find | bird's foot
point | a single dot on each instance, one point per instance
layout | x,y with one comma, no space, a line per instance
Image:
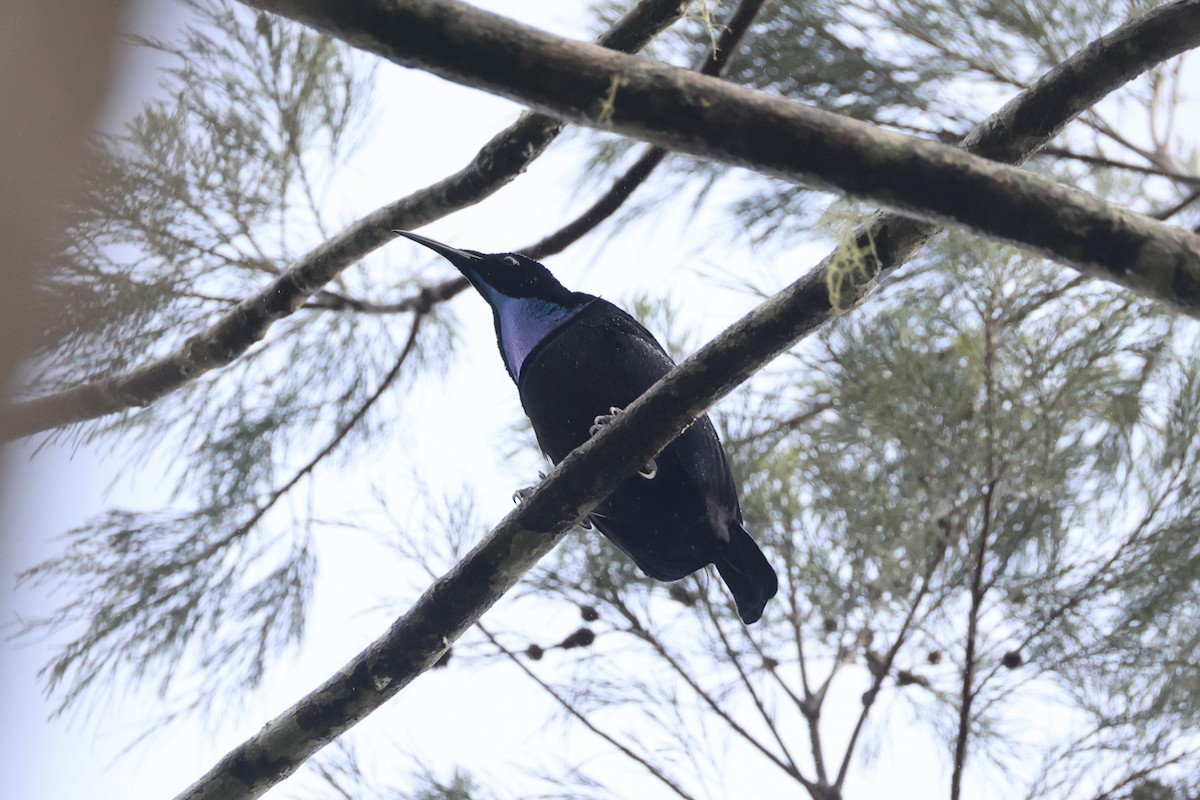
520,494
650,469
600,422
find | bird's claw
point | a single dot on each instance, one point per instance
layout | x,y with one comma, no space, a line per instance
604,419
519,495
651,468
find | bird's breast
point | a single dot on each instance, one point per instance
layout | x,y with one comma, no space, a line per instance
589,365
522,323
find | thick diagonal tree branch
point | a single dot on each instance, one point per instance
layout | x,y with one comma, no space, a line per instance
504,157
680,110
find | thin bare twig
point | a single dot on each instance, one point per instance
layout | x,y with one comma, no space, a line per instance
639,630
1115,163
1172,210
733,658
978,587
885,666
587,723
809,709
810,706
342,432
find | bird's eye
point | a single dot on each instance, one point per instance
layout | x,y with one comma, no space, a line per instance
512,260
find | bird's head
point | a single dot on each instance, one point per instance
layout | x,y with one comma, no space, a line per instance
497,276
528,303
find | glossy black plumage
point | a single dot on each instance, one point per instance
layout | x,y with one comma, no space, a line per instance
573,357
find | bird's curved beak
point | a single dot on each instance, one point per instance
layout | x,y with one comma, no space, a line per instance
459,258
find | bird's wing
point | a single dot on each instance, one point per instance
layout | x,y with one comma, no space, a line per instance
705,445
629,325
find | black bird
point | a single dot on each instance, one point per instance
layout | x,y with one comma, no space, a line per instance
577,360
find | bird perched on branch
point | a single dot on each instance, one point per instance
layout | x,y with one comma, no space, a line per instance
578,361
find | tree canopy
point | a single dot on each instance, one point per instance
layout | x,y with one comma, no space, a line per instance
969,437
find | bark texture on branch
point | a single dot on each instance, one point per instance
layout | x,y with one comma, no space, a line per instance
504,157
682,111
453,602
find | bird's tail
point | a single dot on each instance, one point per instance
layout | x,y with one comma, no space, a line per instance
747,573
